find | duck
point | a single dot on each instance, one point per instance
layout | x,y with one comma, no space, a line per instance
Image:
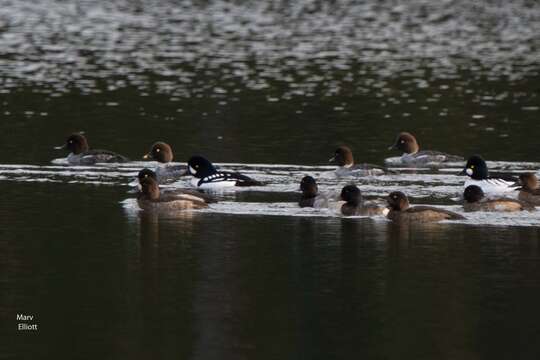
476,201
354,204
413,156
310,194
81,154
206,176
165,171
477,171
401,211
150,197
148,173
343,158
530,189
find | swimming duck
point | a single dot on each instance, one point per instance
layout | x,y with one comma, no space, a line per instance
477,171
475,201
354,204
530,189
400,210
310,194
150,198
81,154
165,171
413,156
147,173
205,175
344,159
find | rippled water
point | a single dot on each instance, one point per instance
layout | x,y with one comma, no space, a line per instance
268,88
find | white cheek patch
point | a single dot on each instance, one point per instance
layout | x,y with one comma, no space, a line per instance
469,171
192,170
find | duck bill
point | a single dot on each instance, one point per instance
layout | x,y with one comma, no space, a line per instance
393,147
332,159
62,147
146,157
463,172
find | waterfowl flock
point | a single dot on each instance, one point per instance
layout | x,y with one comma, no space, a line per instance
482,191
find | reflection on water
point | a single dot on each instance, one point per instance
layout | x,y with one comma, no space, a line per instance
229,79
252,84
213,285
313,47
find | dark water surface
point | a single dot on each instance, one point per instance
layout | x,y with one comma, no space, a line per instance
251,85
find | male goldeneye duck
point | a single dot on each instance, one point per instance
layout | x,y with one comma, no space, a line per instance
354,204
412,155
150,198
343,157
82,155
400,210
205,175
530,189
475,201
165,171
477,171
310,194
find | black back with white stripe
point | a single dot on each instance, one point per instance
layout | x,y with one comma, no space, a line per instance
476,168
201,168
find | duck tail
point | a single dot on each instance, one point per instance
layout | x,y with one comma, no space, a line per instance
244,180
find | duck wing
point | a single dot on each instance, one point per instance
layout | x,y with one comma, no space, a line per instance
103,156
432,155
420,208
195,199
508,177
372,169
177,194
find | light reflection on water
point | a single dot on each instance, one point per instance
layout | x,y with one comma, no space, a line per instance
185,50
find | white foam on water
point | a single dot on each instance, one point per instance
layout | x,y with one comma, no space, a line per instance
441,186
289,209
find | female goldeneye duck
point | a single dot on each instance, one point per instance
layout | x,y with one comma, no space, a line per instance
150,198
160,152
400,210
477,171
147,173
343,157
310,194
412,155
205,175
165,171
530,189
81,154
354,204
475,201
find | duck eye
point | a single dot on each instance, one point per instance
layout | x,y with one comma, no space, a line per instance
402,141
196,166
157,150
71,141
472,166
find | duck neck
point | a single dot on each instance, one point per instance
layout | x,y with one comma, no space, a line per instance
151,191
